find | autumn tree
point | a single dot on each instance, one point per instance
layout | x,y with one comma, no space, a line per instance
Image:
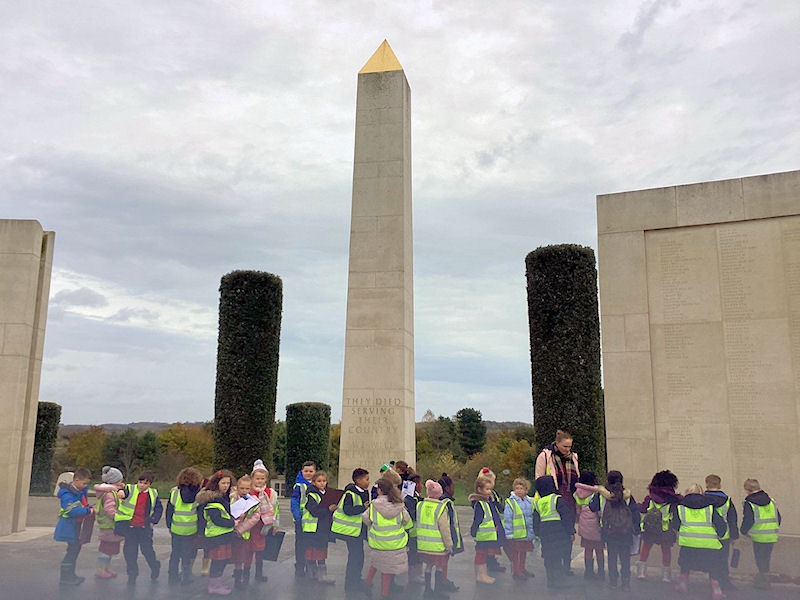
86,449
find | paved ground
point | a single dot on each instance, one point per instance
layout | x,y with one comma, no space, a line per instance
29,570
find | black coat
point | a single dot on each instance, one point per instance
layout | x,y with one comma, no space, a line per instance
320,537
701,559
553,531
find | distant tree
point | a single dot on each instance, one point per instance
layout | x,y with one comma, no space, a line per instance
525,432
424,448
131,452
442,433
86,449
279,451
471,430
250,308
428,417
565,349
48,416
195,443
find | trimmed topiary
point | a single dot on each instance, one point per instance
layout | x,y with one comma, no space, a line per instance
250,307
308,430
565,349
48,416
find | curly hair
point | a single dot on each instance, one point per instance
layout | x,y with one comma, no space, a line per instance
665,479
189,476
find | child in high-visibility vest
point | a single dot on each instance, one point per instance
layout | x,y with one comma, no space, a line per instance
138,511
387,522
727,509
434,541
448,491
554,525
761,520
181,517
74,507
487,528
106,508
217,526
298,506
268,510
589,525
661,497
317,519
518,526
241,548
348,526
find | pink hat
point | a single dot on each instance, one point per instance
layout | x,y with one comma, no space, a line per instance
434,489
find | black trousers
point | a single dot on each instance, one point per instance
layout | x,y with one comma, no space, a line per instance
355,560
299,548
183,553
763,554
138,538
217,568
619,551
71,557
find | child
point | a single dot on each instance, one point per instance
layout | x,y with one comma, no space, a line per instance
214,518
554,525
347,525
410,501
106,508
268,510
434,541
727,510
448,489
317,528
248,521
620,518
660,499
298,504
138,510
387,521
764,533
487,528
182,524
699,528
491,561
74,507
518,526
589,525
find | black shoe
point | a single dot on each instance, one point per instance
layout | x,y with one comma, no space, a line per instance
131,580
68,576
495,567
259,576
446,585
173,579
155,571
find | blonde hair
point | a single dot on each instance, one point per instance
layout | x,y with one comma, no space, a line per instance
318,474
523,482
693,489
392,476
752,485
713,481
562,435
482,482
243,478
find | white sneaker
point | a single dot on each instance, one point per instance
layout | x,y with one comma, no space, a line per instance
666,574
641,570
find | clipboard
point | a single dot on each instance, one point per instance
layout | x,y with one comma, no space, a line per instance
331,497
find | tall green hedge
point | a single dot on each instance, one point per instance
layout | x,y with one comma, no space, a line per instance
308,431
48,416
565,349
247,369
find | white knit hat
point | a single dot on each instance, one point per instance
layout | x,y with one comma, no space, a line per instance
111,475
259,466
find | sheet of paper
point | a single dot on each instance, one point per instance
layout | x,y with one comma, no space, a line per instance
408,488
242,505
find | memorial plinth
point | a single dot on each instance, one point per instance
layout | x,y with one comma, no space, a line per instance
700,319
378,388
26,258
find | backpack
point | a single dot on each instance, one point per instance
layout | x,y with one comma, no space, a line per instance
651,522
617,519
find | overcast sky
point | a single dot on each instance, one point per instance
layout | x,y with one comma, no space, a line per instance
168,143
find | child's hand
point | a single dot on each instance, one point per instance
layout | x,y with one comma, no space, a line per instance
121,494
332,507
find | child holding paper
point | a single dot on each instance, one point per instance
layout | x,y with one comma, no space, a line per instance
244,510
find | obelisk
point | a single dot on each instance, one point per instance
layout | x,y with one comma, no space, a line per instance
378,396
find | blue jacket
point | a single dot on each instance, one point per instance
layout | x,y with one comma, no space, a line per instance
527,511
295,503
70,499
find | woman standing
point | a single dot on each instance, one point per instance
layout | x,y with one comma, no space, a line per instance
561,463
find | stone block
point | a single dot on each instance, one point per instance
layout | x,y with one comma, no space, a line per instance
773,195
612,328
21,237
637,333
628,392
711,202
623,275
16,339
636,211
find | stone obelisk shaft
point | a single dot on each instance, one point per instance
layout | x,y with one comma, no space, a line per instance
378,398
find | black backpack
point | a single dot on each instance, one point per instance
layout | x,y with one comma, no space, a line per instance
651,522
617,519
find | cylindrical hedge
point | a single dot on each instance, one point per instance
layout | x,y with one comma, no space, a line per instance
250,307
308,430
48,416
565,349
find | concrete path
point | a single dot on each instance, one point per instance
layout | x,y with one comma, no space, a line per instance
29,564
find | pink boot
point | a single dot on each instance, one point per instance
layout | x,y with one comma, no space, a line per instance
217,587
716,591
104,574
682,587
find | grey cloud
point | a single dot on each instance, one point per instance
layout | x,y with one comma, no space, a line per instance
80,297
125,315
632,39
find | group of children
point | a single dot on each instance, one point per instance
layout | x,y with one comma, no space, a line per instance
198,516
413,534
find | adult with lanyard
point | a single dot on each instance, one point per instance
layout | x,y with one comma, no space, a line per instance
559,462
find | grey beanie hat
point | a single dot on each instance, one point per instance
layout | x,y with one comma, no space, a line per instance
111,475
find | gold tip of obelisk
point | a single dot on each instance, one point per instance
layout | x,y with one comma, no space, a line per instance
383,60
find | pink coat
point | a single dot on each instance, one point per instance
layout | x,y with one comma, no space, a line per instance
109,508
588,521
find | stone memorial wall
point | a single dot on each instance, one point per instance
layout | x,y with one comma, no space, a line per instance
700,318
